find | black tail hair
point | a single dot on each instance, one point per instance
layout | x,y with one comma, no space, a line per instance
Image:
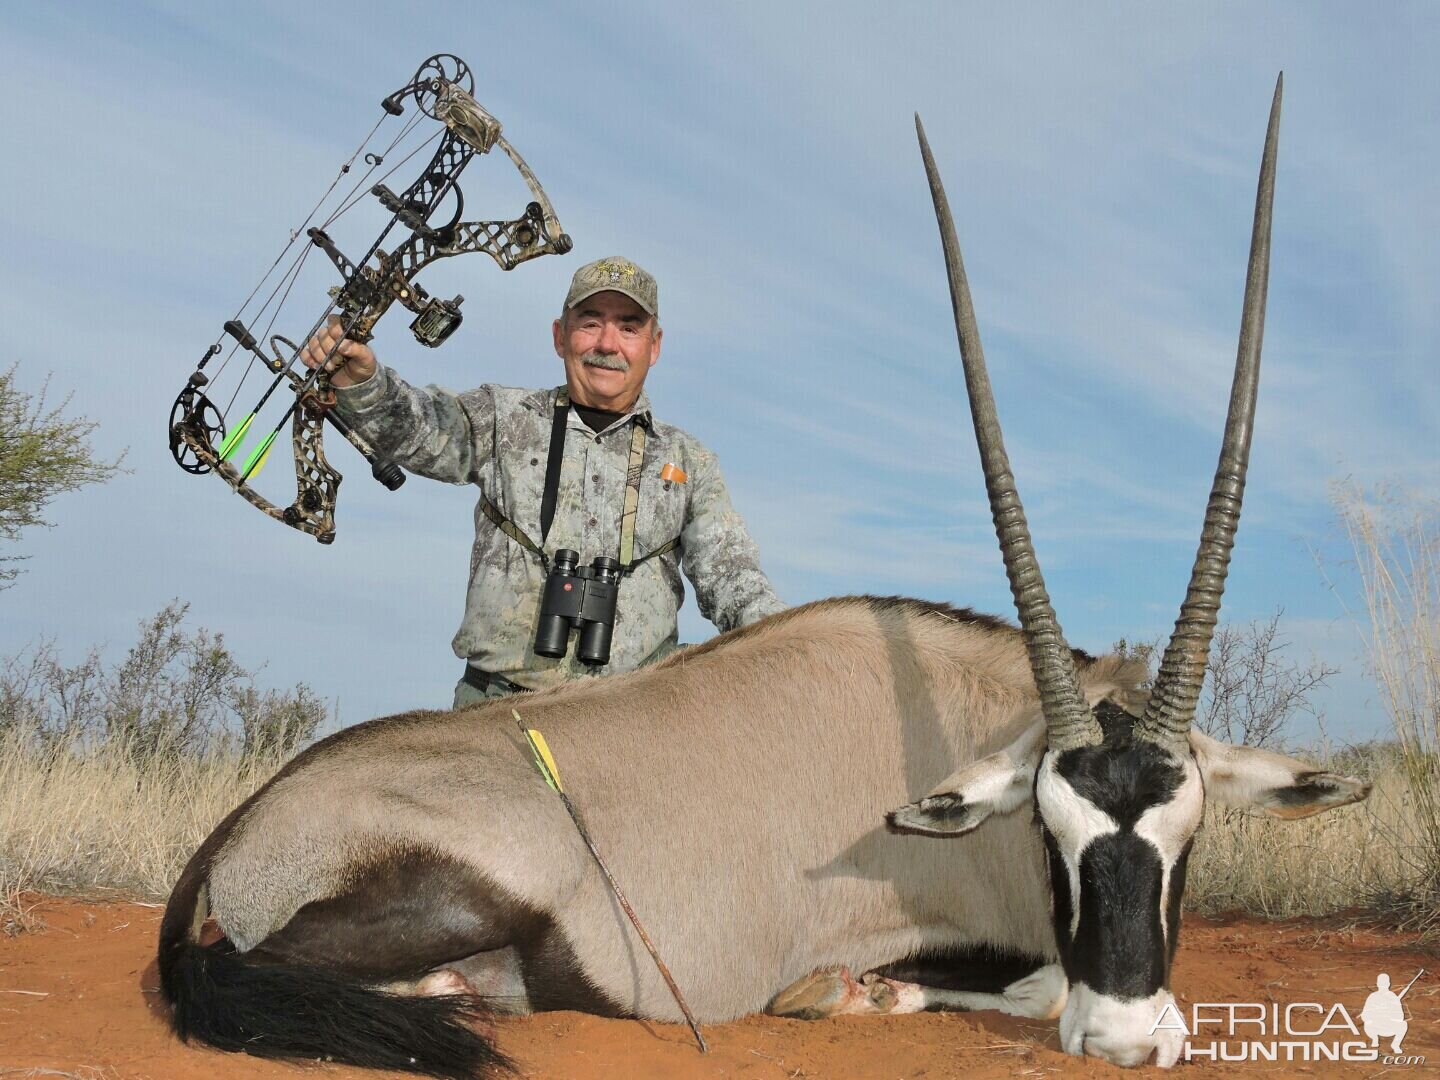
276,1009
282,1009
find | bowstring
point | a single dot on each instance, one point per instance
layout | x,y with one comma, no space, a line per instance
353,199
292,273
324,367
345,168
356,197
439,195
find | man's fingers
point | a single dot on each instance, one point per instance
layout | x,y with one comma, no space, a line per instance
314,352
330,348
328,342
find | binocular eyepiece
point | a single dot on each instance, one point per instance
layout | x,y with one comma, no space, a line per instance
578,598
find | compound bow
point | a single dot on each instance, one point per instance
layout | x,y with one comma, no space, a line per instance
199,440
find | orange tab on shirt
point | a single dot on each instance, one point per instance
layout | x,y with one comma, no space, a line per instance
673,472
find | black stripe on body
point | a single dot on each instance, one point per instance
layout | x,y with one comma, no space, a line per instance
980,969
408,911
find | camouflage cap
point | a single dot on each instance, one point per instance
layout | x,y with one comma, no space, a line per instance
614,273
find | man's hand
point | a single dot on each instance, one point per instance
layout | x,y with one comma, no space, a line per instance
352,363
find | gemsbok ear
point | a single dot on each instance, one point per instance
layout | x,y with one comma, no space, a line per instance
1243,776
997,784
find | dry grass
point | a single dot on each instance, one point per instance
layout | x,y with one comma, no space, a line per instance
111,775
1343,859
1384,855
17,911
1396,541
91,819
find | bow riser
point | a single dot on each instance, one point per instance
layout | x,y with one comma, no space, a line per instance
369,292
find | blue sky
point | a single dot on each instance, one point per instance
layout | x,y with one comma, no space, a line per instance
760,159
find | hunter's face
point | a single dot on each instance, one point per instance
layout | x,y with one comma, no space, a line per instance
608,343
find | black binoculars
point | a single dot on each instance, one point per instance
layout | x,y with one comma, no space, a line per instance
578,598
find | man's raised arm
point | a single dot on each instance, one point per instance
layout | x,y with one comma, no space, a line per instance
429,432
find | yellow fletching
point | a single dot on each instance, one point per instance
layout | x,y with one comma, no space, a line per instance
544,761
258,457
538,741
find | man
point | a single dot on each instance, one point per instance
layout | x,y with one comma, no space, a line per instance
500,439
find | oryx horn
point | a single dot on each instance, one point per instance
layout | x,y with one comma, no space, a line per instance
1171,708
1068,720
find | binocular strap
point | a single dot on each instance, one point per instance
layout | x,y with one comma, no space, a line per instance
628,562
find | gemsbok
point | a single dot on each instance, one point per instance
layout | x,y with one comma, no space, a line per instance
769,800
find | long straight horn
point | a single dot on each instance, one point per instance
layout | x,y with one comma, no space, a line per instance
1068,719
1172,702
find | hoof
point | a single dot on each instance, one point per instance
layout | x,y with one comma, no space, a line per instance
880,993
819,995
1040,995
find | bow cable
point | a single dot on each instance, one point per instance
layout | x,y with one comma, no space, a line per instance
349,200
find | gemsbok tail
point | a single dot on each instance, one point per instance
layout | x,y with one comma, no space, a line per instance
240,1002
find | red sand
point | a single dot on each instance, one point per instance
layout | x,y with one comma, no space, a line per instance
78,999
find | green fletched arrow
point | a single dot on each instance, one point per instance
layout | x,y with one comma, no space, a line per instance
231,443
256,461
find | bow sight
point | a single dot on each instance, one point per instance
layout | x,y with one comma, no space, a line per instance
199,438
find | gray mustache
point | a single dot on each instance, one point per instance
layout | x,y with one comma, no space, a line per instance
606,361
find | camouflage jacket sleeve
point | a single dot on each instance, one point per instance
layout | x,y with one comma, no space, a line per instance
718,555
430,432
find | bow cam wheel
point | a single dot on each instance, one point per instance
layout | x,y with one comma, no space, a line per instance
194,415
427,80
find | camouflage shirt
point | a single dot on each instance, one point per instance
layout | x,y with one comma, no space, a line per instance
499,438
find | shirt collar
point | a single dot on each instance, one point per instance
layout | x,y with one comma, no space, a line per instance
640,411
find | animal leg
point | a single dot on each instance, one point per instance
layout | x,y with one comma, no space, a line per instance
1038,996
495,975
835,992
436,984
424,925
968,978
824,992
317,987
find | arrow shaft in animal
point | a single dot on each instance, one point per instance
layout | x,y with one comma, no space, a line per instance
635,921
553,777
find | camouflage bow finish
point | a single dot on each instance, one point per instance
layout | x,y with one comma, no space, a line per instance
199,441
